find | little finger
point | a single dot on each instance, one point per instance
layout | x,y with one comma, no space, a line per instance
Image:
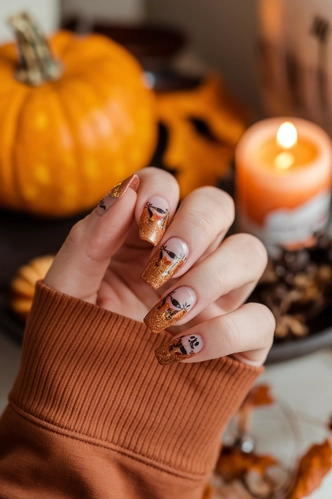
246,334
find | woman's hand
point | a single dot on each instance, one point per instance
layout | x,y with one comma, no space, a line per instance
195,281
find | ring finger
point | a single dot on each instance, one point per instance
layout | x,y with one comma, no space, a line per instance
224,279
204,217
246,334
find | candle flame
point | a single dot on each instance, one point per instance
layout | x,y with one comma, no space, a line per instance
287,135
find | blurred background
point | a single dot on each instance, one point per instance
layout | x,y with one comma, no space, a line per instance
211,68
221,34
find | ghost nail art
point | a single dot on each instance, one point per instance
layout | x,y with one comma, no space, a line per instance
153,221
165,262
170,309
179,349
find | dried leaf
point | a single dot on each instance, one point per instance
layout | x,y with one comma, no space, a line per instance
233,463
313,466
208,492
234,490
259,395
291,324
260,486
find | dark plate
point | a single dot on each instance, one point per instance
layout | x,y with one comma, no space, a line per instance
23,238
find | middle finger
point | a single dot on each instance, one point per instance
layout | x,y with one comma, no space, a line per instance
226,277
204,217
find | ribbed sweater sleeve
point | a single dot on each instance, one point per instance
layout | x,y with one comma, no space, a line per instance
92,415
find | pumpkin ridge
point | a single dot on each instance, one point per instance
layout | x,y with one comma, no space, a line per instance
83,83
78,152
15,166
7,180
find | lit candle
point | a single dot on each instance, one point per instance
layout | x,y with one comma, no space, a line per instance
283,182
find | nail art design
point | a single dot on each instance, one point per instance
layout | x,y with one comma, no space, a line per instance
179,349
116,193
153,221
165,262
170,309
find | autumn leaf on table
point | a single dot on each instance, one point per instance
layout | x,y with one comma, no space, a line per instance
233,463
233,490
313,466
208,492
258,396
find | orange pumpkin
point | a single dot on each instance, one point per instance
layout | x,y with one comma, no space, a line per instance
73,124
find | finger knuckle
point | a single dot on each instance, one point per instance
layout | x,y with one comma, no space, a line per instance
225,203
201,222
235,333
254,248
267,323
76,232
165,178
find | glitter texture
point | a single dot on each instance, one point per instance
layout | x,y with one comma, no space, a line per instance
166,356
165,263
170,309
153,221
179,349
158,319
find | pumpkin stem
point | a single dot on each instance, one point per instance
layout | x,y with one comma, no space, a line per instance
36,63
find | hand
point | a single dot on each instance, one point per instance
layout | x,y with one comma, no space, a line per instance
198,279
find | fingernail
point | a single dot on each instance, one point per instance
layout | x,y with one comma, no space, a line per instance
170,309
116,193
179,349
153,221
165,262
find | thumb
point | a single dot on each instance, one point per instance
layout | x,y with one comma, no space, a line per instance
82,261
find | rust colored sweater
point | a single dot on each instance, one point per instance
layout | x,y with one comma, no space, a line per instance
92,415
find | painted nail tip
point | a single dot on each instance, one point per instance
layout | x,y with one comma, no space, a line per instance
133,182
154,330
116,193
162,361
179,349
148,239
150,282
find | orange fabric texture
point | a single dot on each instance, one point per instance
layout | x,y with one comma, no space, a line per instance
92,415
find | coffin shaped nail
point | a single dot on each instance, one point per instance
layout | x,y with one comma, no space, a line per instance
153,221
179,349
170,309
165,262
116,193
